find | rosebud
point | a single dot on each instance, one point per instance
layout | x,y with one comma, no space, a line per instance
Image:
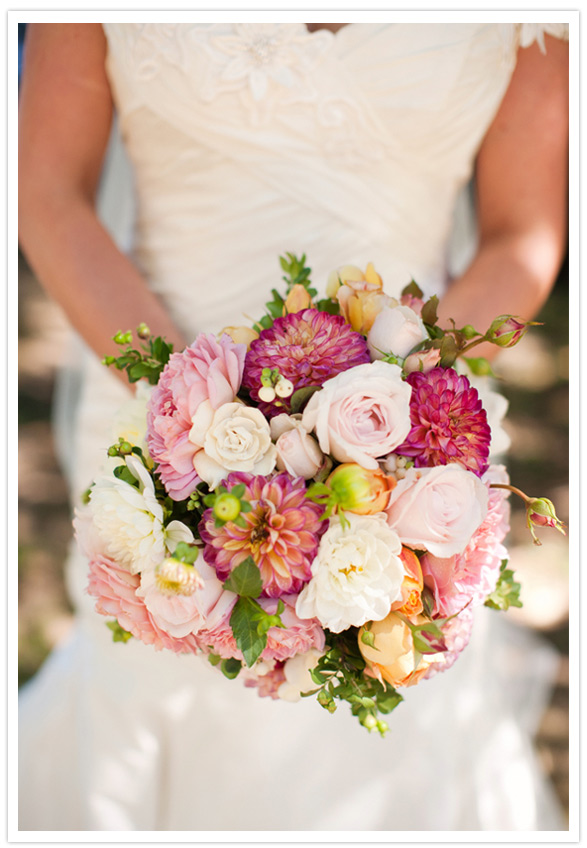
392,658
298,299
540,512
240,335
422,360
360,490
507,330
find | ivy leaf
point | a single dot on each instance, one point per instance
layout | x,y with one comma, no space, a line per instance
507,592
244,622
119,634
230,668
245,580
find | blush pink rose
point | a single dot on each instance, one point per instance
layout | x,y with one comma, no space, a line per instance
471,576
361,414
395,330
116,591
297,452
438,509
206,370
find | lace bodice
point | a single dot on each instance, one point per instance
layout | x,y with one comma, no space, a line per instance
251,139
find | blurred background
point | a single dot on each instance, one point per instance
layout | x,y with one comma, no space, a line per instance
535,381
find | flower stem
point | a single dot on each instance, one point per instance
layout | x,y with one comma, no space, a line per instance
513,489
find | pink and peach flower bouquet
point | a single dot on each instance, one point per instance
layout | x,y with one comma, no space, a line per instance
309,502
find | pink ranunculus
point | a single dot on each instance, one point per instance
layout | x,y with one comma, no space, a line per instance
206,370
181,614
361,414
395,330
116,591
438,509
457,633
470,576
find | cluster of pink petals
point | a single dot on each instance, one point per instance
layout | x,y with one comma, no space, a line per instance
449,423
457,633
267,685
206,370
296,637
282,533
472,575
116,591
308,348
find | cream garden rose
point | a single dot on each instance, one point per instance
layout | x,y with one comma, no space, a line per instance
395,330
297,451
356,575
361,414
234,437
438,509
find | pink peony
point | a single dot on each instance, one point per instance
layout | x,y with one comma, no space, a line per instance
449,423
472,575
308,348
206,370
282,533
116,591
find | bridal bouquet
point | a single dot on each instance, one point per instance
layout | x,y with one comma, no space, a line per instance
309,501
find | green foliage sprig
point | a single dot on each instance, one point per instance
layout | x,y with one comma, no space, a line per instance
507,592
146,363
339,677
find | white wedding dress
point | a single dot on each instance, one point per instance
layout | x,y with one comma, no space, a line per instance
248,140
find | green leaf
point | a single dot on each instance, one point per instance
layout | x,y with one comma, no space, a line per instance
448,352
230,668
301,397
141,369
119,634
430,311
414,289
186,552
244,622
214,659
479,366
332,307
245,580
507,592
122,472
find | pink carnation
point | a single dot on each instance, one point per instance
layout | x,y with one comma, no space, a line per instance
267,685
206,370
116,591
472,575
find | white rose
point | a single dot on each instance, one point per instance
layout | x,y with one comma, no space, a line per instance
438,509
356,576
297,675
396,330
297,452
129,520
361,414
235,437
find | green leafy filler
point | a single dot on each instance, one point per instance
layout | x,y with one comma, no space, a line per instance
249,621
507,592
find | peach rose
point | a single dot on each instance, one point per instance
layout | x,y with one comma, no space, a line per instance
410,603
297,299
359,489
360,295
392,657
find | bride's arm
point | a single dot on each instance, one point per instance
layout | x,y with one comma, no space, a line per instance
521,181
65,116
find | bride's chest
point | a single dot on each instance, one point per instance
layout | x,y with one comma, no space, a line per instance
364,91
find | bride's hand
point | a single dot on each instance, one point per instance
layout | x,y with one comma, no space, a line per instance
64,125
521,184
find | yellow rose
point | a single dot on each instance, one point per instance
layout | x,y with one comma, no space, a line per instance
392,658
360,295
298,299
240,335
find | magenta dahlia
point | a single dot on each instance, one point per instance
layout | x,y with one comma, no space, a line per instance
449,423
308,348
282,533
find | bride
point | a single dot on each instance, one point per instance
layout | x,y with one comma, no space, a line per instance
350,143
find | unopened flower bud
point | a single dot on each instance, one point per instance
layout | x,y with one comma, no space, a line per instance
227,507
124,448
123,338
469,332
113,450
143,332
359,489
540,512
507,330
